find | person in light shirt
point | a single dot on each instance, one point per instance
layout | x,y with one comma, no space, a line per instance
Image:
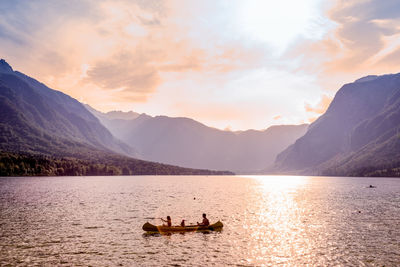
168,221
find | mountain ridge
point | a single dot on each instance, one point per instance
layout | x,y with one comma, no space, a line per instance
353,135
189,143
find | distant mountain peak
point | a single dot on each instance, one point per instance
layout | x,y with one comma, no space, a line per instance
117,114
4,66
114,115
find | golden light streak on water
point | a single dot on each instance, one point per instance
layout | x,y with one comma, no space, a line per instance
278,222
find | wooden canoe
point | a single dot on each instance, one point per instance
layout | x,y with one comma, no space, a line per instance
148,227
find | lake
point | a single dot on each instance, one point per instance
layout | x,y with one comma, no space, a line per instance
268,220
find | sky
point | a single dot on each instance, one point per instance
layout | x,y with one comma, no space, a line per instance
230,64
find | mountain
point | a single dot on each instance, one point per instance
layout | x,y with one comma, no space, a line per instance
186,142
42,127
31,109
358,135
113,115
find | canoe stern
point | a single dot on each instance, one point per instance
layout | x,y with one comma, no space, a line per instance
148,227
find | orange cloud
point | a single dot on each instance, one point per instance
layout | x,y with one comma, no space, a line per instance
312,119
320,107
127,71
359,37
362,39
127,45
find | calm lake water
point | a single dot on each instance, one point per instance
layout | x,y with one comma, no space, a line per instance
268,220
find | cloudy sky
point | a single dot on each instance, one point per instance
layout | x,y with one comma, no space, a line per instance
235,64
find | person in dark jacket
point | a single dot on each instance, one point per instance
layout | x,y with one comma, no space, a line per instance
205,221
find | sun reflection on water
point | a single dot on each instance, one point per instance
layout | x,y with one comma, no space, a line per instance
271,183
273,219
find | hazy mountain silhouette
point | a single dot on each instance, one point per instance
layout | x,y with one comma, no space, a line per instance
357,135
186,142
113,115
46,132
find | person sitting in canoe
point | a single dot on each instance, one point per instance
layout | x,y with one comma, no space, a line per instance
168,221
183,223
205,221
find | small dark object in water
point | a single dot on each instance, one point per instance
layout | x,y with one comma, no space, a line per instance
194,198
371,186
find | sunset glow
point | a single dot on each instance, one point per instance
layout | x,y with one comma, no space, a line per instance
276,24
228,64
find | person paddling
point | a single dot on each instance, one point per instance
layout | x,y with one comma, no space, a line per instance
205,221
168,221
